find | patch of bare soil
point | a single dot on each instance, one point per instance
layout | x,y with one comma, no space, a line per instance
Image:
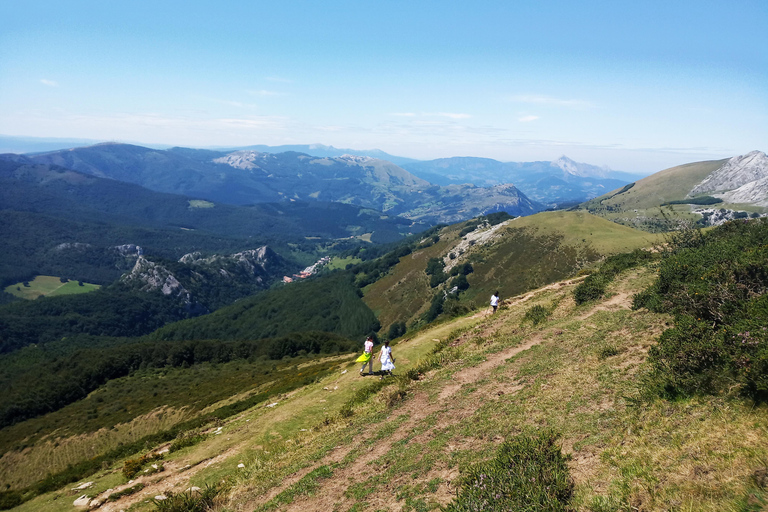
174,478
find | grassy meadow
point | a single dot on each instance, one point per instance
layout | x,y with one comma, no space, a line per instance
49,286
461,388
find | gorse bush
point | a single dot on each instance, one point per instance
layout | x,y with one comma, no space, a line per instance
715,286
529,473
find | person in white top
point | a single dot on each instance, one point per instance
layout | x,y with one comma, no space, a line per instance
495,301
367,357
387,361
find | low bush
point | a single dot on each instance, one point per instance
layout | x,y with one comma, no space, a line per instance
528,473
594,286
536,315
189,501
715,286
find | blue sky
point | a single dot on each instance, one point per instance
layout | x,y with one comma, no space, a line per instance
637,86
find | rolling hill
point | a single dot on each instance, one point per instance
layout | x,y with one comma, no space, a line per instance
708,192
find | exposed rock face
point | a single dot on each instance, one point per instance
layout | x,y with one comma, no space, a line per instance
580,169
253,261
247,160
153,276
742,177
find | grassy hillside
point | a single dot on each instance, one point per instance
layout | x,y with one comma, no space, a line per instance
639,205
464,387
521,255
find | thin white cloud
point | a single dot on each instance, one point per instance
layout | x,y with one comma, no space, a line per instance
527,119
230,103
454,115
49,83
264,92
538,99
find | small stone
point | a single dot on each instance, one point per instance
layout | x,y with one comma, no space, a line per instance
241,465
161,497
83,502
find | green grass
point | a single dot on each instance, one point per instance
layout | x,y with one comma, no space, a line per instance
49,286
583,380
200,203
341,263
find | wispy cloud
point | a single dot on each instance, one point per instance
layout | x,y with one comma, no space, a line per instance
537,99
229,103
454,115
264,92
527,119
49,83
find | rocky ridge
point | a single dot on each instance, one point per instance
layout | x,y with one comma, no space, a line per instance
742,179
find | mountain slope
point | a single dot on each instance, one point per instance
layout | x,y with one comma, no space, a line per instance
406,443
739,184
247,177
512,257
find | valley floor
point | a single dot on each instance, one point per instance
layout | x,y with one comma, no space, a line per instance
405,446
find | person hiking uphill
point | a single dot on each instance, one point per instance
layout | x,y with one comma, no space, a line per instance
495,301
367,357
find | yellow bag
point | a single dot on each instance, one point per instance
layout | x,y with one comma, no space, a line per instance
364,358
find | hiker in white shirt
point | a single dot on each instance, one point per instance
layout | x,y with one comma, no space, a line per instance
495,301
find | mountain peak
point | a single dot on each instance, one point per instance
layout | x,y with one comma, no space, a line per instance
579,169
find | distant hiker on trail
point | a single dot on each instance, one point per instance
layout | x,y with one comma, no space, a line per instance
367,357
387,361
495,301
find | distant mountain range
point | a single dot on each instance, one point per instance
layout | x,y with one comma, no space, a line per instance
320,150
247,177
562,181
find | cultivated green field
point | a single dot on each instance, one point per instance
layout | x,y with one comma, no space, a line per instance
49,286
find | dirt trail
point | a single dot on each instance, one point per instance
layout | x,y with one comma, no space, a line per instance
417,408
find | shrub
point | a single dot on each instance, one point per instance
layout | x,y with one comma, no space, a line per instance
591,288
190,501
715,286
536,315
184,439
529,473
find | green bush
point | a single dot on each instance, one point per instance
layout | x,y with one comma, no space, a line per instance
529,473
591,288
594,286
715,286
190,501
536,315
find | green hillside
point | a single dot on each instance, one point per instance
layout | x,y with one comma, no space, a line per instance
639,204
526,253
559,392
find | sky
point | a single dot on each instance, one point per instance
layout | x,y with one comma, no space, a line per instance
638,86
